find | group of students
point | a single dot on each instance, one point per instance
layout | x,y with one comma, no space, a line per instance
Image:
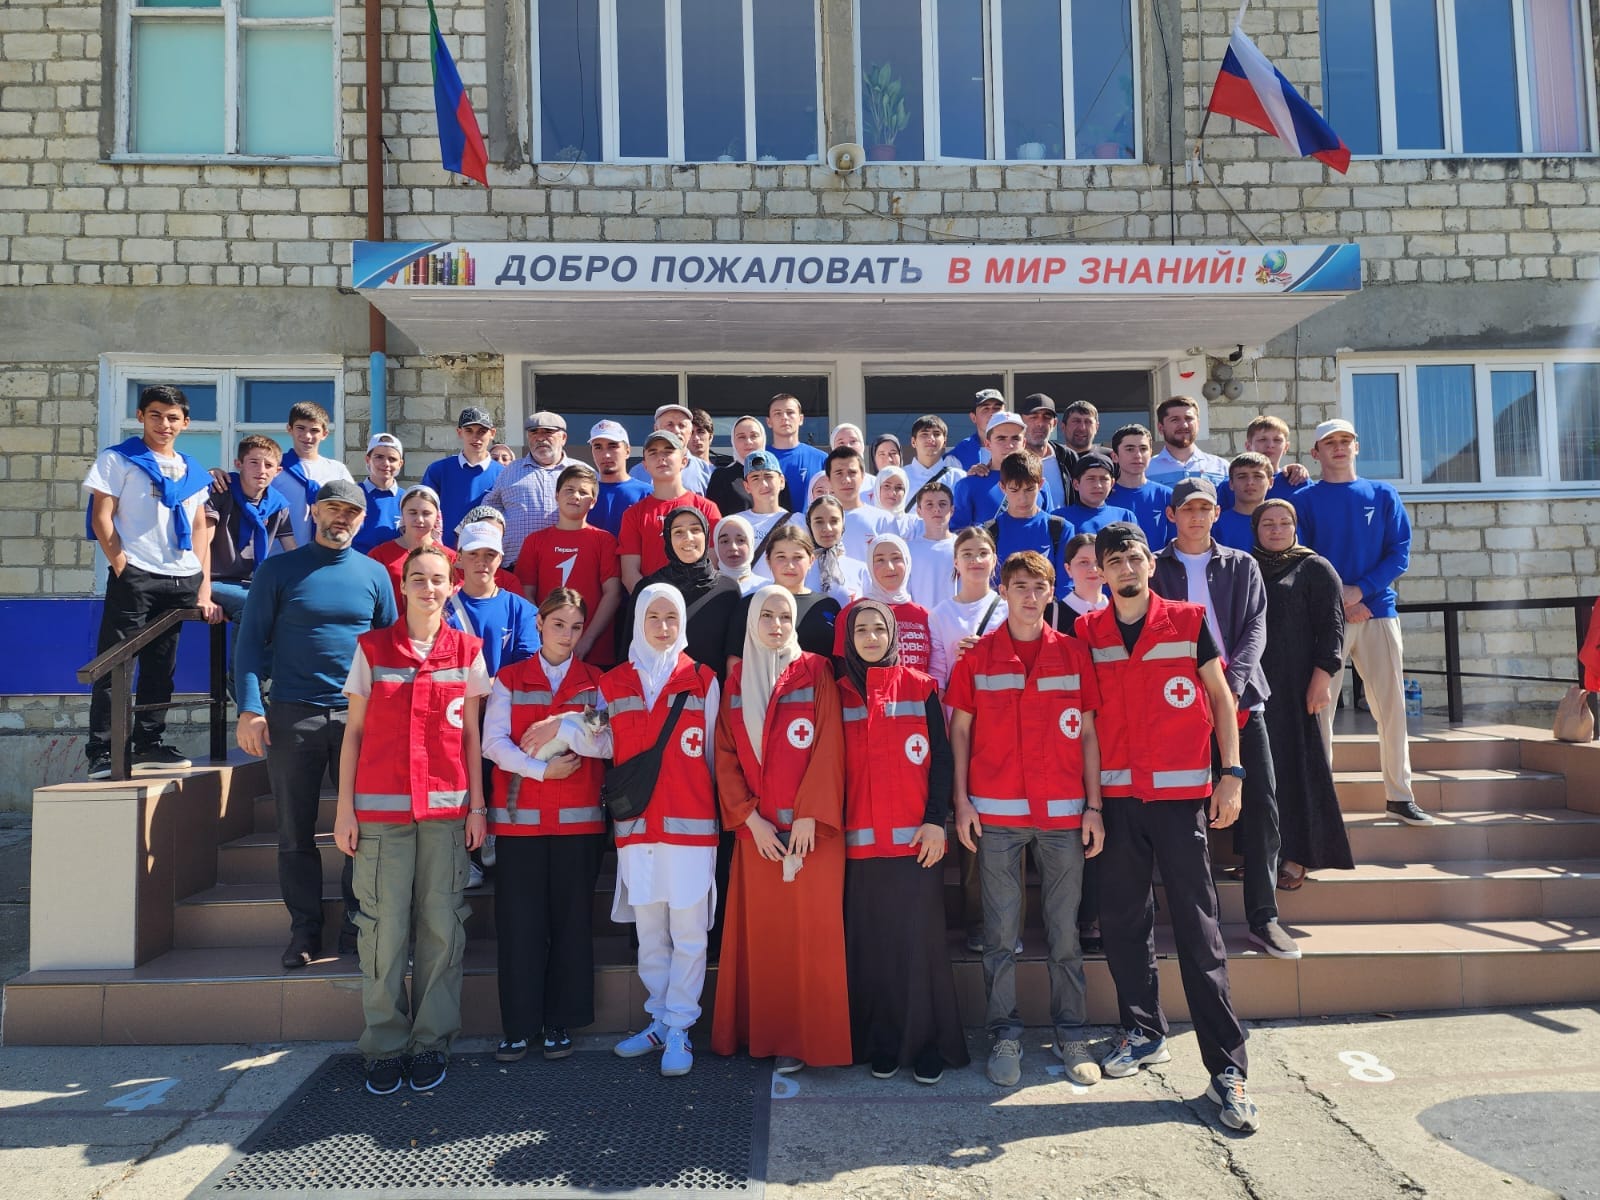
823,688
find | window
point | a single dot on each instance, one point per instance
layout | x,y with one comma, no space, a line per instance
226,402
251,79
1427,77
894,402
676,80
1051,80
1494,424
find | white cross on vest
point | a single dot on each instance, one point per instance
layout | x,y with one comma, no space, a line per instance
1179,692
692,742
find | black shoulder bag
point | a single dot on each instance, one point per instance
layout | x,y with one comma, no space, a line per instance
627,786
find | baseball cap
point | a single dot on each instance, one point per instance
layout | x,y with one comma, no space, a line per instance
608,431
664,435
544,419
681,408
1118,536
474,416
384,439
344,492
1035,402
1090,462
986,396
1186,490
481,535
1337,425
760,460
1003,418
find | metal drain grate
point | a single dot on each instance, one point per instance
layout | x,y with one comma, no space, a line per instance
592,1124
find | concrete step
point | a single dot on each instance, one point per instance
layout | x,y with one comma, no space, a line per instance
1433,748
241,994
1551,834
1457,789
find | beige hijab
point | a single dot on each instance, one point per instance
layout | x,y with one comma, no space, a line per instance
763,667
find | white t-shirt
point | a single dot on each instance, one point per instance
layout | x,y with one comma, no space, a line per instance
954,620
933,571
917,475
142,522
1194,567
318,470
359,681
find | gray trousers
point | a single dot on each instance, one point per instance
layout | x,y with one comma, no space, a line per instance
1059,853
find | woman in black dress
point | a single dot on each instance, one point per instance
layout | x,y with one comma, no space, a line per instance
710,600
1303,655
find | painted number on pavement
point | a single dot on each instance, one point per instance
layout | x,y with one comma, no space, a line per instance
145,1097
1365,1068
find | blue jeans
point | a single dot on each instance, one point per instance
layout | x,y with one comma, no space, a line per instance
230,597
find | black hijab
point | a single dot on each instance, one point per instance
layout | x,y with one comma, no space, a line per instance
856,667
1275,564
693,579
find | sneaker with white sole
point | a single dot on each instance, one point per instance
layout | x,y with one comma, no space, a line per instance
511,1050
1407,811
1272,938
1080,1064
1238,1110
677,1057
786,1064
1133,1051
159,757
100,768
1005,1062
647,1041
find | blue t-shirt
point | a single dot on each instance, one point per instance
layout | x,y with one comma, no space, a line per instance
614,500
799,464
1092,520
1361,527
505,621
1233,529
382,521
461,489
968,452
1149,507
1281,489
1033,533
980,497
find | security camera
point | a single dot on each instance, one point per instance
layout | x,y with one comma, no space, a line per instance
846,157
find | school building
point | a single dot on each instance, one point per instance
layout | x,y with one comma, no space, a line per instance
186,196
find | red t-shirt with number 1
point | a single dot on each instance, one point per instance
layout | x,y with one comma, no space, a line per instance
581,559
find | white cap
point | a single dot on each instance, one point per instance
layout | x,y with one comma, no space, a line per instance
610,431
1337,425
481,535
384,439
683,408
1004,418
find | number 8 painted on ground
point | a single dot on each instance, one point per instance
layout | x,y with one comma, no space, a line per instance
1365,1068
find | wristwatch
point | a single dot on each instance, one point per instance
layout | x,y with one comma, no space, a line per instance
1236,772
478,812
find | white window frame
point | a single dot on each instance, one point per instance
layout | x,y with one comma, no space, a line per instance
610,137
994,100
1490,484
234,25
1449,72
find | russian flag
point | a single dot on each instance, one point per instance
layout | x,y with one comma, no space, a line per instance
1252,90
460,142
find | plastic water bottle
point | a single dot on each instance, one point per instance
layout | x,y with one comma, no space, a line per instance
1413,700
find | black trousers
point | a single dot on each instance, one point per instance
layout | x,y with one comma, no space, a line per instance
306,739
544,926
1170,834
133,600
1256,834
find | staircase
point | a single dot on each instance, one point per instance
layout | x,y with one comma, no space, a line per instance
1498,904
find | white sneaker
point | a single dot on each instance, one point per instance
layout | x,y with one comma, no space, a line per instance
647,1041
676,1059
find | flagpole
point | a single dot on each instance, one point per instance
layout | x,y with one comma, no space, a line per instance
1205,120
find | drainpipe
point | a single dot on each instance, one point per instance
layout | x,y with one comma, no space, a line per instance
377,327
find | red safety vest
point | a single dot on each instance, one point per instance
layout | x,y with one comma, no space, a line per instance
529,807
683,804
1154,721
788,735
411,766
886,753
1026,767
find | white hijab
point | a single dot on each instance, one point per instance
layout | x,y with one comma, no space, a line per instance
875,590
905,482
655,667
763,667
744,574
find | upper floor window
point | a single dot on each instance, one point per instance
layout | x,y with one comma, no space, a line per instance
676,81
1430,77
1501,423
252,79
1049,80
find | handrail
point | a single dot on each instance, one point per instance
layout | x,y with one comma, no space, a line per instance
118,662
1451,611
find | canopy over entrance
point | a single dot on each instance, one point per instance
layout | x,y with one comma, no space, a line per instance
661,298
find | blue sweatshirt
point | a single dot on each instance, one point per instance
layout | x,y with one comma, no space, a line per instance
505,621
1281,489
968,451
979,497
1149,505
1092,520
461,489
799,464
305,610
1361,528
615,499
382,521
1033,533
1233,529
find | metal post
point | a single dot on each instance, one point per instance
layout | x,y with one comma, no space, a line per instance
121,719
1452,665
219,692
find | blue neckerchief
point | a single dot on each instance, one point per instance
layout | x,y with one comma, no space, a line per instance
171,492
293,469
254,515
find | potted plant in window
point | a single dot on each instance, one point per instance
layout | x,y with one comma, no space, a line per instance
883,105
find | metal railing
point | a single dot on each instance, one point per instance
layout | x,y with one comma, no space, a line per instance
119,662
1451,610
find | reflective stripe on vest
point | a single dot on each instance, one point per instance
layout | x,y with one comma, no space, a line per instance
989,806
1058,683
1102,654
625,704
786,815
854,714
694,704
510,816
537,697
905,708
581,816
687,826
900,835
998,683
1063,808
452,675
1172,650
377,802
799,696
393,674
626,829
1122,778
736,701
453,799
1180,779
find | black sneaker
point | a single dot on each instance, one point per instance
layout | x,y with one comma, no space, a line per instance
1275,940
384,1076
556,1042
1408,812
159,758
928,1067
100,766
885,1068
511,1050
428,1070
301,950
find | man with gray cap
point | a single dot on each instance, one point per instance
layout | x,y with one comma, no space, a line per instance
972,450
463,480
304,612
526,490
678,419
